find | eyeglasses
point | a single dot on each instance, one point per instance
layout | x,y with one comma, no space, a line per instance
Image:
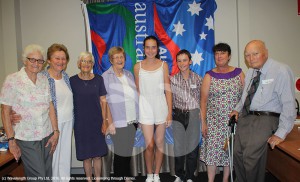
117,57
87,61
33,60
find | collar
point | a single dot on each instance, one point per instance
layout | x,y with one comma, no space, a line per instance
266,66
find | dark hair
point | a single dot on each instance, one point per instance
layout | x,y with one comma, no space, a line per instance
222,47
157,44
57,47
184,51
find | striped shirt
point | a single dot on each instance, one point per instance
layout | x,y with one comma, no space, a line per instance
186,93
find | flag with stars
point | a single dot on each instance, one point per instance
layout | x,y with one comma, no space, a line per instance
181,24
187,25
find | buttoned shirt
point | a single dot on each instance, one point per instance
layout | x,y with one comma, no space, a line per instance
186,93
31,101
116,98
275,93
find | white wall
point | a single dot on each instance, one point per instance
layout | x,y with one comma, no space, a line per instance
61,21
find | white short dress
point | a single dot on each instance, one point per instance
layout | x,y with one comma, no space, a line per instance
152,101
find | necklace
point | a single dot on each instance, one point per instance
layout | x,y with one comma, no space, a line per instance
85,78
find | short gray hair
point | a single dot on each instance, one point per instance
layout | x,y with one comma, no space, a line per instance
85,54
31,48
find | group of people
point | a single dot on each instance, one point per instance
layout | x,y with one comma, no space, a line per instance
48,105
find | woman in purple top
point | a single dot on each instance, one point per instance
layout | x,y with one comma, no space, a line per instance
122,99
220,91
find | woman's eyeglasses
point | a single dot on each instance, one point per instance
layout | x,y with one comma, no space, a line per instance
33,60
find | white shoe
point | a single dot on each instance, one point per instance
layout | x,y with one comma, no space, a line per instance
149,179
189,180
156,179
178,179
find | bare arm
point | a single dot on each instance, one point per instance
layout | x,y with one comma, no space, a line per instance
234,112
54,138
136,70
203,102
12,144
107,118
168,92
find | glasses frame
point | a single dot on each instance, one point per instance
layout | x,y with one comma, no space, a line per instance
87,62
33,60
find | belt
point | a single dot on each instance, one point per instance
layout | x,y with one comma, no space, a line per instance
184,110
264,113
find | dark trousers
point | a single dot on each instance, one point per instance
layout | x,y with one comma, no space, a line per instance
123,142
186,131
250,146
37,159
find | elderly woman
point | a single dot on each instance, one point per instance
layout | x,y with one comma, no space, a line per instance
34,139
62,97
89,110
122,98
220,92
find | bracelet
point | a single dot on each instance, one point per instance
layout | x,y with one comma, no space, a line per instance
11,138
56,131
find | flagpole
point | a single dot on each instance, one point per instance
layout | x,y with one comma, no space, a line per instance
88,41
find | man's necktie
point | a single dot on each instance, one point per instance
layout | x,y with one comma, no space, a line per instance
251,93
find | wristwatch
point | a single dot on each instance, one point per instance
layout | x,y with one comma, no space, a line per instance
56,131
11,138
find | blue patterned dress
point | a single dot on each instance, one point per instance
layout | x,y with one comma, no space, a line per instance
224,93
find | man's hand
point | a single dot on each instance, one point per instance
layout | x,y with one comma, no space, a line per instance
274,140
236,115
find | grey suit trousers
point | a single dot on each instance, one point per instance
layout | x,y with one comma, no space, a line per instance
250,146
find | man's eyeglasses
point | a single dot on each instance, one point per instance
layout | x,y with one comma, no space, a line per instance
87,61
33,60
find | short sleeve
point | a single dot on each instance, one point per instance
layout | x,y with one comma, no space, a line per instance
102,90
8,94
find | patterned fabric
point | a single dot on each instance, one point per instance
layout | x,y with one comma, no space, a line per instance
186,93
31,101
224,93
52,86
251,92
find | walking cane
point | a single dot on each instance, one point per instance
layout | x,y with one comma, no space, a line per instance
231,126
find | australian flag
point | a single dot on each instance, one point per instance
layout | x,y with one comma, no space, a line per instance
180,24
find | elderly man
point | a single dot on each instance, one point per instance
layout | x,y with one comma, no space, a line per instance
267,112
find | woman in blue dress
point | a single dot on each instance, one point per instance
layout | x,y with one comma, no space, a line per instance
89,109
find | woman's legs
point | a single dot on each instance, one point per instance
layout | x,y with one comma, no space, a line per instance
160,141
211,172
97,167
226,173
88,169
148,131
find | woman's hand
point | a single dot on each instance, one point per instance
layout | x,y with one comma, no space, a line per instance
169,120
14,149
112,129
104,127
204,129
15,117
53,140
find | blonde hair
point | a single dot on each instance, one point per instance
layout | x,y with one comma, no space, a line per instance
115,50
83,55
